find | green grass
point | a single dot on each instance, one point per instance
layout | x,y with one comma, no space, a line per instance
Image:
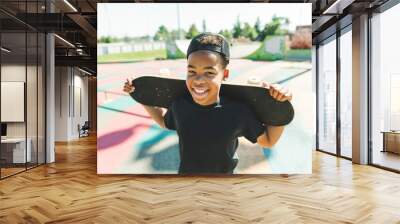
261,55
287,54
132,56
178,55
174,55
298,55
264,56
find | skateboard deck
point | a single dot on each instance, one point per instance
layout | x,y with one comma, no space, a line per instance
160,92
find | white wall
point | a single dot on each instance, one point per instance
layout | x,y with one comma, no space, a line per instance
62,80
80,89
115,48
70,83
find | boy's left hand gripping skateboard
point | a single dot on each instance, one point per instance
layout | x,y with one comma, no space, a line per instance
160,92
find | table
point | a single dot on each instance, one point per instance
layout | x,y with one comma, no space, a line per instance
391,141
16,148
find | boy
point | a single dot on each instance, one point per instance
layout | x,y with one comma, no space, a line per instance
208,125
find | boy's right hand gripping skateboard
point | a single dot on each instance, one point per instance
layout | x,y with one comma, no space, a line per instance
160,92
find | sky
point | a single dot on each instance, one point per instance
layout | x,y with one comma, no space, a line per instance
140,19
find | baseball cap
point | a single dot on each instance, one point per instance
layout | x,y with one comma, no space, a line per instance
197,45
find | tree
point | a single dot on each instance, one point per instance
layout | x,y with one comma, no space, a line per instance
226,33
192,32
162,33
275,27
175,34
257,25
237,29
249,32
106,39
126,39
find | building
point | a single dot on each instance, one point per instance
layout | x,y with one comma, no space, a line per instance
357,81
48,91
48,76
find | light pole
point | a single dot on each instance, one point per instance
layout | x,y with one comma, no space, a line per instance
179,21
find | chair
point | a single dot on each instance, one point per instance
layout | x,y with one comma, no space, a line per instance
84,130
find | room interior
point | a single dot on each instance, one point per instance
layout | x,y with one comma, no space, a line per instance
48,91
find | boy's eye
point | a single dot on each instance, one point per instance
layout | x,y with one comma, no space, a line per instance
210,73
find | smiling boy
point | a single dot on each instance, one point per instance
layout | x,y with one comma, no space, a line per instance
208,125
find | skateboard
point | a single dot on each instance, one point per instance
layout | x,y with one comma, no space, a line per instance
160,92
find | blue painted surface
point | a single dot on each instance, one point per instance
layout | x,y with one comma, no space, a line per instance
267,153
165,160
292,153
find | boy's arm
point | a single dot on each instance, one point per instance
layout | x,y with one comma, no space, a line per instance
273,133
270,136
157,114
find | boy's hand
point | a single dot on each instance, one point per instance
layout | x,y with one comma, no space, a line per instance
278,92
128,87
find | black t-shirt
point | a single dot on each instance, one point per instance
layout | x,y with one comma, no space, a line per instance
208,135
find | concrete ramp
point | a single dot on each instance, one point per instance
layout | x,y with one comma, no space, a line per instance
182,45
243,50
173,50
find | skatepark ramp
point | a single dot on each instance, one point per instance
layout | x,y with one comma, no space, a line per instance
241,50
275,48
271,49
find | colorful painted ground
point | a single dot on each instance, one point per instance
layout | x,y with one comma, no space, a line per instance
129,142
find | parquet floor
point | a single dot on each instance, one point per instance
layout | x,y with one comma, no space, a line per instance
70,191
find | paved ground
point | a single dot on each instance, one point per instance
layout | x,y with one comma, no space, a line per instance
130,142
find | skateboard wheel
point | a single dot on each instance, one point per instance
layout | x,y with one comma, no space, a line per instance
254,80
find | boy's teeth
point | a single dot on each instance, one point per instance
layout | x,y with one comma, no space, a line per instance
199,90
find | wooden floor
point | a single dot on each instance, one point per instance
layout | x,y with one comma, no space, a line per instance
10,171
70,191
387,159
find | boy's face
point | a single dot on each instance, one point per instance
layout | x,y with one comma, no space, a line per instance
204,76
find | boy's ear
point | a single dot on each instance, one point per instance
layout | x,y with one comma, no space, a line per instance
226,74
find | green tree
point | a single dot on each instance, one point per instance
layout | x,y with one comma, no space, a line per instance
192,32
237,29
249,32
105,39
162,33
114,39
126,39
257,25
282,28
175,34
226,33
275,27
